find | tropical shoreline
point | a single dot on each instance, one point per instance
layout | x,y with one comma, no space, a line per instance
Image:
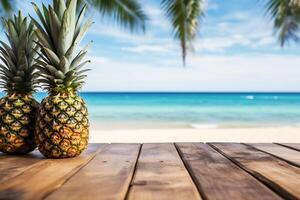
251,135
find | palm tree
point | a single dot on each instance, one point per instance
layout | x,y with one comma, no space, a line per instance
286,19
184,16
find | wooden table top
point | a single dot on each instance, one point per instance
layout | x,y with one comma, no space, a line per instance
157,172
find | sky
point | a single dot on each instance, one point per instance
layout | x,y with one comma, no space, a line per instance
236,50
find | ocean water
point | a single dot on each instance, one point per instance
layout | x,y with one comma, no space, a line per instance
191,110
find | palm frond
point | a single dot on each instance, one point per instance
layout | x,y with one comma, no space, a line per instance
185,17
127,13
286,19
6,8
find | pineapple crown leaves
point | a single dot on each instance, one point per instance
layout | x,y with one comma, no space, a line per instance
59,31
17,70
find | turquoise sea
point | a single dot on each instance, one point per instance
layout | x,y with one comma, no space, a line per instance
191,110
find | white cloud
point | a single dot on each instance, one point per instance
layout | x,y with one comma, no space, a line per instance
157,17
118,34
210,5
238,16
97,60
207,73
235,29
220,44
153,48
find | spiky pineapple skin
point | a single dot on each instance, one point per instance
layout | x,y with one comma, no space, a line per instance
62,129
18,115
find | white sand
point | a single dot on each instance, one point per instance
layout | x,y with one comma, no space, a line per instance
282,134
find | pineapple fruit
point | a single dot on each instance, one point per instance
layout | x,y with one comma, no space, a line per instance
62,128
18,79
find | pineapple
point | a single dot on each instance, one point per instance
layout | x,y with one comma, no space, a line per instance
62,128
18,79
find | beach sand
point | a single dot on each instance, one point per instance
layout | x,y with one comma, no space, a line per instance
278,134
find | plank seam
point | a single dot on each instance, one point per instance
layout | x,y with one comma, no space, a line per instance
27,169
189,170
133,173
282,159
40,162
267,182
76,171
286,146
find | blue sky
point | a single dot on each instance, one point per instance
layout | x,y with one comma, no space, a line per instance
236,51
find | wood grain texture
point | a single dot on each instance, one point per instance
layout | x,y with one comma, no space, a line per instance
12,165
290,155
295,146
161,174
218,178
107,176
36,182
277,174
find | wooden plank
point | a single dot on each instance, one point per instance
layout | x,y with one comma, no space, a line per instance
295,146
12,165
160,174
289,155
218,178
275,173
107,176
44,177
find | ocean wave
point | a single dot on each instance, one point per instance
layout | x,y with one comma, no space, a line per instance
249,97
204,126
